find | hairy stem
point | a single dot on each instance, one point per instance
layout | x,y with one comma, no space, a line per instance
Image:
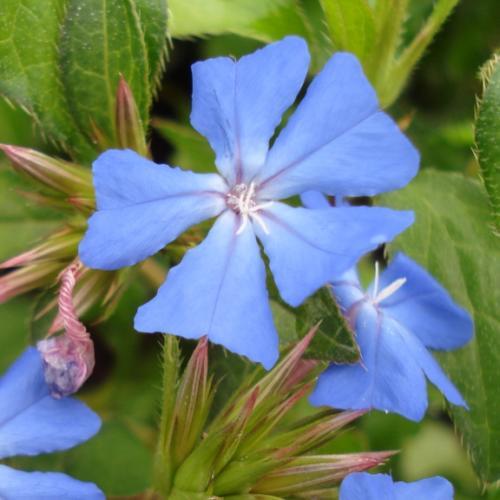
163,472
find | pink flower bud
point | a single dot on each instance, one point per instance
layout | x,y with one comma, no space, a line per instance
62,176
69,358
129,128
67,363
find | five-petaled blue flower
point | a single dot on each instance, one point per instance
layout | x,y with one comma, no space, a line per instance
337,142
364,486
33,422
402,313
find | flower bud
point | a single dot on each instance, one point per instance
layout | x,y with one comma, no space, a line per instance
193,402
27,278
67,363
69,358
129,129
61,245
307,473
62,176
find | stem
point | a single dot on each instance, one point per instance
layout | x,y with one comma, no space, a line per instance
163,470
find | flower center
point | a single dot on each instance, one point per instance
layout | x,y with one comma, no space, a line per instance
242,200
386,292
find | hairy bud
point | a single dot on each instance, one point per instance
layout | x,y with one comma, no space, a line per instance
69,358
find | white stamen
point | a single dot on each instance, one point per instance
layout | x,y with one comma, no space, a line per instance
241,200
243,225
261,223
375,283
389,290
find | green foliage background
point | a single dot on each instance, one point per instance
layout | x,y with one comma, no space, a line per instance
59,79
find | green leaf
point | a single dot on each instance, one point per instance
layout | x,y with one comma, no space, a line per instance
452,240
153,17
61,60
16,126
265,20
487,139
352,25
334,340
29,73
102,39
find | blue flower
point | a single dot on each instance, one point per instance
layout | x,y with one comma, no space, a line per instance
33,422
402,313
364,486
337,141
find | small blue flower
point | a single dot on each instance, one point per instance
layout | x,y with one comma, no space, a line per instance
364,486
337,141
400,315
33,422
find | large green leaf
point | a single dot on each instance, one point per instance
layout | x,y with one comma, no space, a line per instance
29,72
264,20
102,39
487,134
61,60
452,240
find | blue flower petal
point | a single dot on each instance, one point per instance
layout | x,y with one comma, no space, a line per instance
432,369
338,141
364,486
237,105
307,248
347,290
431,488
219,290
314,199
22,385
19,485
424,307
31,421
387,378
142,206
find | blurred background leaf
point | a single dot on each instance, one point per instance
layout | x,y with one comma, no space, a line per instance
265,20
352,25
